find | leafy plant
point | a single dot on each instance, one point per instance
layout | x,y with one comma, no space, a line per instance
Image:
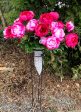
63,60
76,72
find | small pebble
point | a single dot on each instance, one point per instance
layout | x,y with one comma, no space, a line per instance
77,84
67,86
58,85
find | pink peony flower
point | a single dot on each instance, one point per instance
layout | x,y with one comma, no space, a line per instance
41,29
55,15
55,25
69,26
26,15
17,20
52,43
43,40
7,33
59,33
31,25
46,18
71,40
18,30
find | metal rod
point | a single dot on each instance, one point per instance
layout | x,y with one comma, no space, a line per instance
32,80
40,91
32,92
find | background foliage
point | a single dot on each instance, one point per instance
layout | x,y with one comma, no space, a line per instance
63,60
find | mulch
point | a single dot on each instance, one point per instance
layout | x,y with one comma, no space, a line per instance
16,85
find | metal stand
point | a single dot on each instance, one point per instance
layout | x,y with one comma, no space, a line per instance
32,82
40,91
38,63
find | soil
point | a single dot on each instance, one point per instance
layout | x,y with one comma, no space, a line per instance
20,90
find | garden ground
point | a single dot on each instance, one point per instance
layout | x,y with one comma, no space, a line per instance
16,72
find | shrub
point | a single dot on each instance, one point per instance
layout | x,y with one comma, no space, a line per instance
63,59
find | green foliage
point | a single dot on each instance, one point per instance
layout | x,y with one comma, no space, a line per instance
63,60
58,62
76,72
1,34
11,16
29,43
14,7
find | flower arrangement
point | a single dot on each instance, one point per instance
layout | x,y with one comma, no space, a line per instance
49,30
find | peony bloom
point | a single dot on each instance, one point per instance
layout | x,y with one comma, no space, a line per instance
17,20
26,15
43,40
31,25
52,43
46,18
71,40
59,33
69,26
55,25
55,15
18,30
60,24
7,32
41,29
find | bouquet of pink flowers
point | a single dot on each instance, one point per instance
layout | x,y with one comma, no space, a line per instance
48,29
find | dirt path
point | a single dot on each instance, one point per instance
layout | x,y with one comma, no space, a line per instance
16,72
